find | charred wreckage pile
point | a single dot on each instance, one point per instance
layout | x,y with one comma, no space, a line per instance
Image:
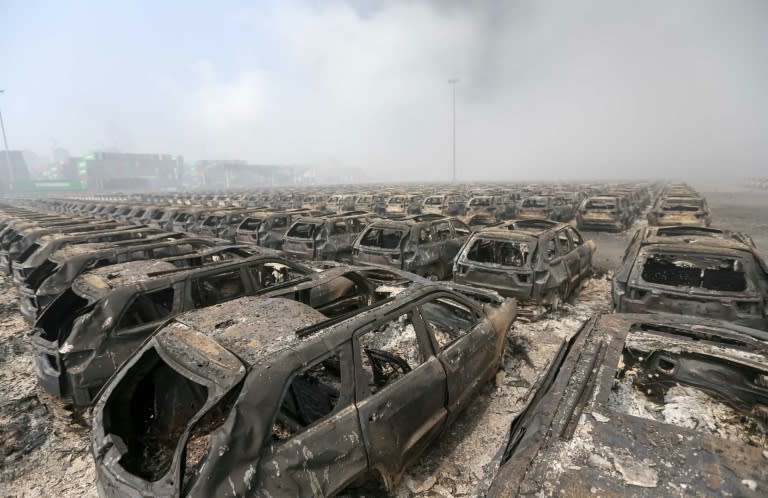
317,343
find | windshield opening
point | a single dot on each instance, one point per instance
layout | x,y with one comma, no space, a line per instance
251,224
600,205
499,252
149,411
535,203
706,272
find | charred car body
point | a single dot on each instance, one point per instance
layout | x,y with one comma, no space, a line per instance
37,254
491,205
533,260
88,331
325,237
542,206
645,405
267,229
223,224
422,244
604,212
680,210
326,400
56,274
404,204
693,271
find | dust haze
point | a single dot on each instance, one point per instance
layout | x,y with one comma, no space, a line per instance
550,90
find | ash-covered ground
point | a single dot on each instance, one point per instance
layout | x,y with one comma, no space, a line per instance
44,451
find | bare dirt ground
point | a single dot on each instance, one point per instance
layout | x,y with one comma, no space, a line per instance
43,452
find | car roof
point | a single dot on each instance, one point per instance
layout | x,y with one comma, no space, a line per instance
531,228
252,327
699,237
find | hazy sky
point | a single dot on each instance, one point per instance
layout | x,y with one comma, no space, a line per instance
562,89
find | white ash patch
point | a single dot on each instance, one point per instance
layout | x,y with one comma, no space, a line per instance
690,408
466,454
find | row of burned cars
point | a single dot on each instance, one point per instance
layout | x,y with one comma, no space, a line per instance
221,369
477,205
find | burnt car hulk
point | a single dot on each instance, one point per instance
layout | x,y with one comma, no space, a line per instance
423,244
271,397
645,405
695,271
90,329
55,275
533,260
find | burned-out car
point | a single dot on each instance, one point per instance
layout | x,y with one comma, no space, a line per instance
604,212
695,271
91,328
533,260
325,237
404,204
485,204
19,243
422,244
223,224
270,396
38,253
445,204
374,203
680,210
434,204
542,207
55,275
189,220
267,228
340,203
645,405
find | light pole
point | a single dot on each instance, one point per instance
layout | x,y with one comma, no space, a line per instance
7,153
453,82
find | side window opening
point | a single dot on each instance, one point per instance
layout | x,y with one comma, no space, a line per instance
146,308
273,273
163,252
447,320
389,352
356,225
131,256
443,231
313,395
575,237
550,251
460,228
563,242
425,235
280,222
339,227
214,289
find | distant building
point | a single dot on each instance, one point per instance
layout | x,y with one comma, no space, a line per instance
235,174
17,173
60,154
129,172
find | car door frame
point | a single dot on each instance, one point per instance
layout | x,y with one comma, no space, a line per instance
388,453
473,349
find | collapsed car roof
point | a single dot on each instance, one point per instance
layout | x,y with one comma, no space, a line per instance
645,405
